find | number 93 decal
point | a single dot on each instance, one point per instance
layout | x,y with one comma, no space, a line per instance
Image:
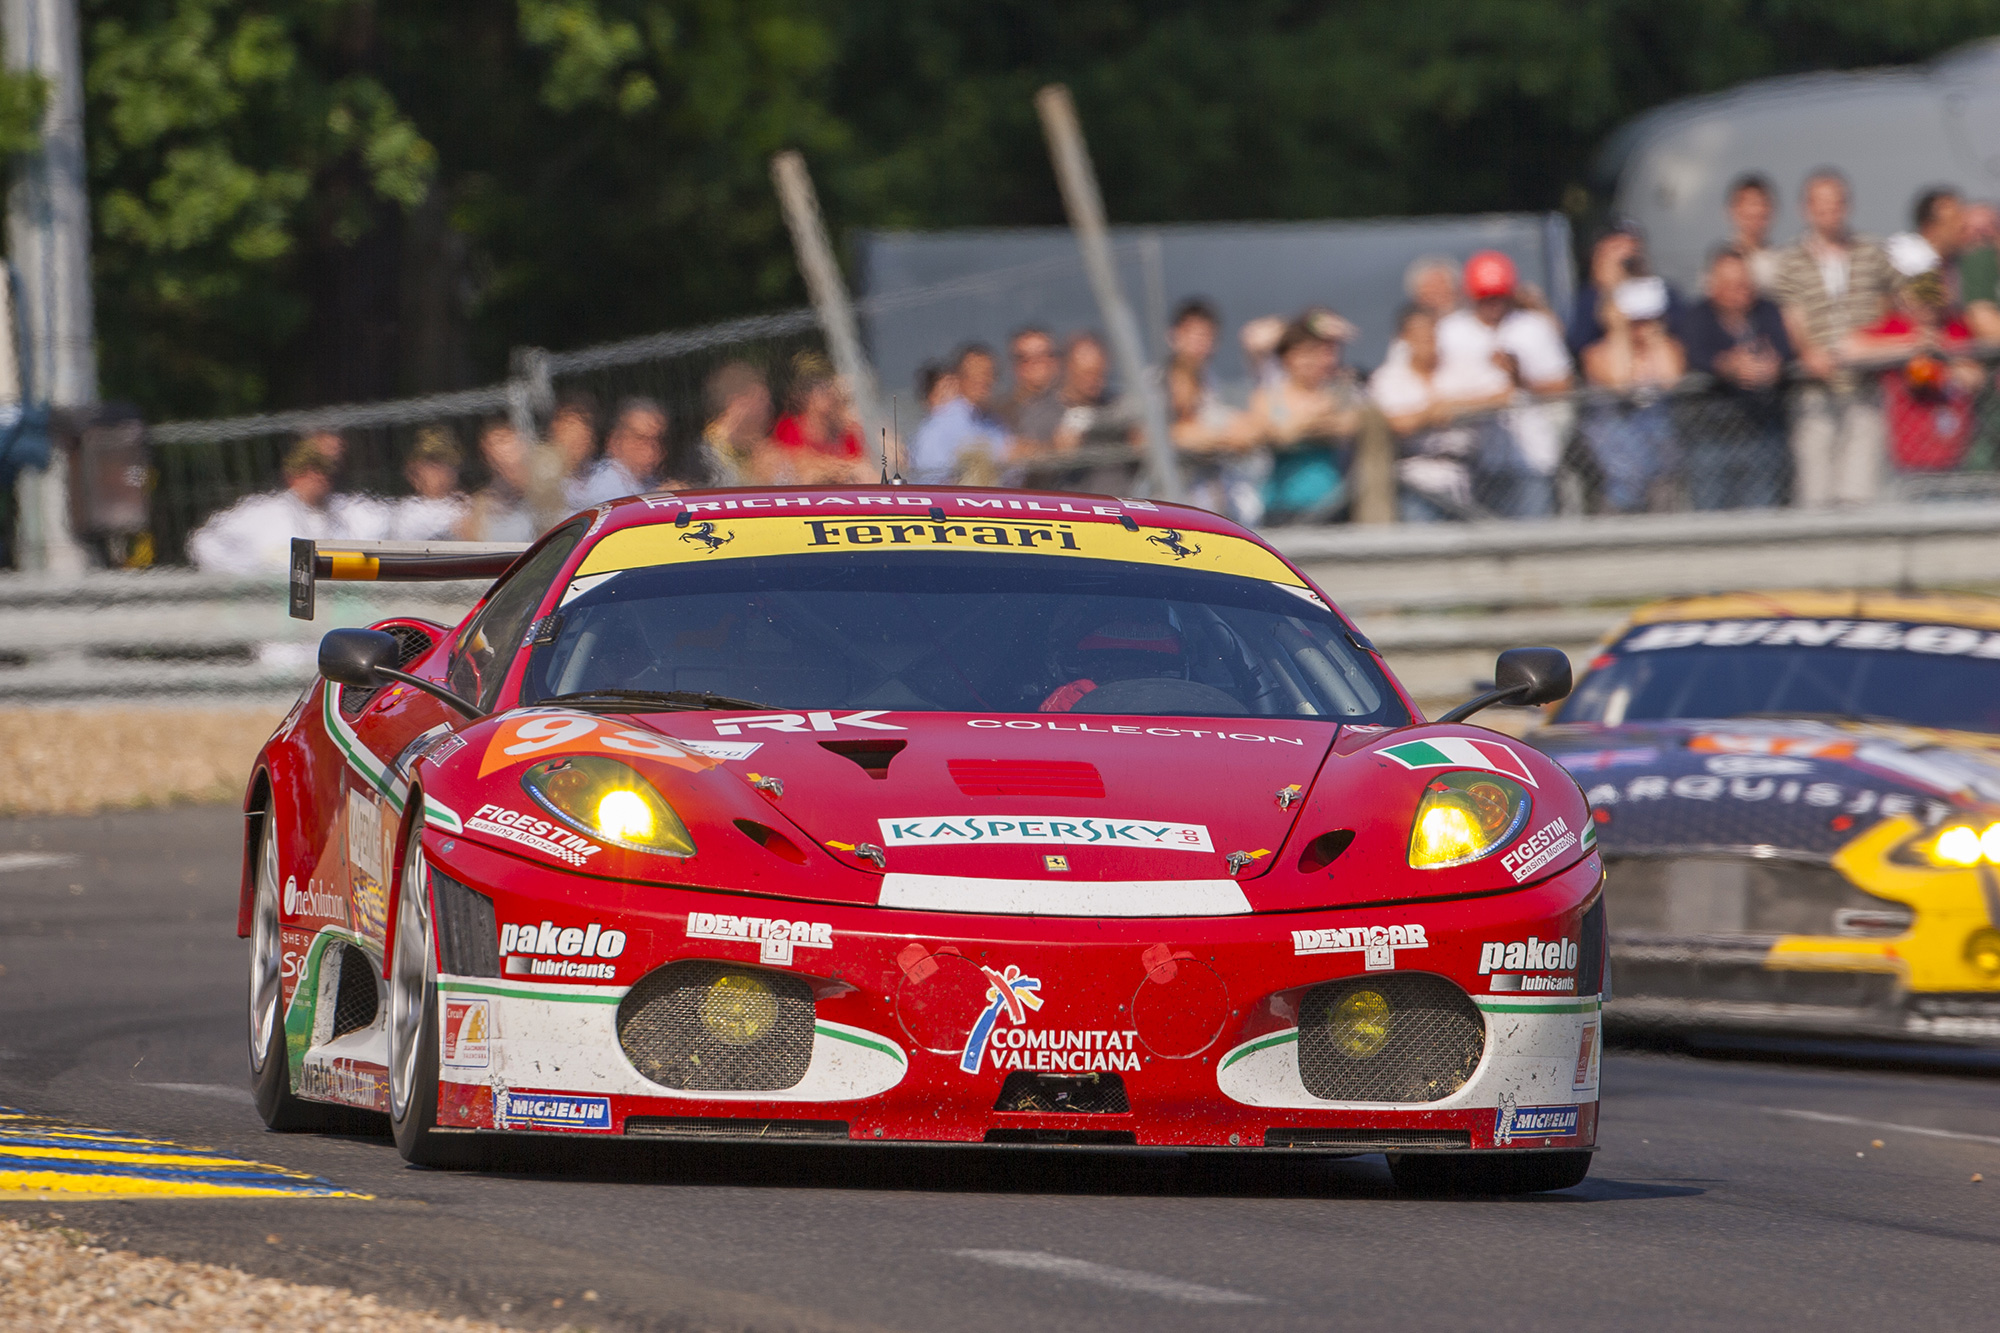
523,738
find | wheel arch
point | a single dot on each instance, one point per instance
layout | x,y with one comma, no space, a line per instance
256,810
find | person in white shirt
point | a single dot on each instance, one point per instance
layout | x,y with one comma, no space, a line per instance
633,454
254,535
1439,414
1500,346
437,507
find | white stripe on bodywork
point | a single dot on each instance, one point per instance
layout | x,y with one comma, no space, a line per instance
1037,897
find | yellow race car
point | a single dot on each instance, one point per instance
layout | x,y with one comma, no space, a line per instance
1797,796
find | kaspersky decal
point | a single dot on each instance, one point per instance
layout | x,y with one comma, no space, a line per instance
775,939
1376,944
523,738
1539,848
821,720
1460,752
531,831
1009,993
554,953
537,1110
952,831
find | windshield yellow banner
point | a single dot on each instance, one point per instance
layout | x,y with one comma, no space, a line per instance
738,538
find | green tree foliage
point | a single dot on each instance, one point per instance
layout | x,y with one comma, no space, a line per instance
300,200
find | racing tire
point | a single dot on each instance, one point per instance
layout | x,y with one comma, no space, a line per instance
1488,1173
270,1061
413,1029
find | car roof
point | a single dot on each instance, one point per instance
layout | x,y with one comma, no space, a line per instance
956,501
1972,610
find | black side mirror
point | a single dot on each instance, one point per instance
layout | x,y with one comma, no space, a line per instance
1536,675
366,658
356,656
1522,676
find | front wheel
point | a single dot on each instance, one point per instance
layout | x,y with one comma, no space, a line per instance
413,1027
1488,1173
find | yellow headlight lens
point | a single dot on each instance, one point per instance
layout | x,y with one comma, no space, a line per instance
738,1008
1360,1024
1959,846
1464,816
609,800
1982,950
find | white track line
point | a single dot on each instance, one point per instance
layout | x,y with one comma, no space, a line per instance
222,1090
1824,1118
34,860
1123,1279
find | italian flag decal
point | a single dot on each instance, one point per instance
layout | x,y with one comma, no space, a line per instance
1460,752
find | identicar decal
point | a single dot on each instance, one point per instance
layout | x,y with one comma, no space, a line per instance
1376,944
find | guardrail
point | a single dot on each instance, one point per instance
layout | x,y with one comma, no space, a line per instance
1438,599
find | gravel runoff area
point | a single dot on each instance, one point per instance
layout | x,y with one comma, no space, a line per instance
78,761
55,1280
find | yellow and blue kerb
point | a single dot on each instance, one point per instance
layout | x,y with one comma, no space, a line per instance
42,1158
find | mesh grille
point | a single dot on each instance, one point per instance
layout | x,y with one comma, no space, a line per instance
661,1026
411,643
1077,1094
1425,1044
354,1001
468,939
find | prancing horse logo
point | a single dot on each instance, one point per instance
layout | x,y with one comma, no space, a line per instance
1171,540
705,534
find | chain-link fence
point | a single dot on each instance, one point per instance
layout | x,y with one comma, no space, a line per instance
1922,427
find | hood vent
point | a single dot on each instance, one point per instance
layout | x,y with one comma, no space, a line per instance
1026,777
872,756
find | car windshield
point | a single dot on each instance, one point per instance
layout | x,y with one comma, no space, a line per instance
959,633
1944,676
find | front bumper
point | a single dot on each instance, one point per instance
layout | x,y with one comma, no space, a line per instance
1197,1020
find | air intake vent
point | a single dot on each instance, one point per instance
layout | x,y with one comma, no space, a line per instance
355,1001
1063,1094
411,643
703,1127
715,1027
872,756
468,938
1026,777
1397,1037
1367,1140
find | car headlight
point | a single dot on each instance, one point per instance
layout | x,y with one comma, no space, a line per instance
738,1008
1360,1023
1465,816
1960,846
609,800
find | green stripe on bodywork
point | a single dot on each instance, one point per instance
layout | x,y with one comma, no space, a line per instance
858,1039
443,816
1261,1044
522,993
1418,753
303,1007
360,756
1560,1007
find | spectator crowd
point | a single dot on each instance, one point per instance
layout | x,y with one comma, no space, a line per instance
1805,374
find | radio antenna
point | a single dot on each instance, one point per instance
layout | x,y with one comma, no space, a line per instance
885,455
899,445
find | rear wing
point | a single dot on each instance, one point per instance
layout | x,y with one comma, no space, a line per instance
392,562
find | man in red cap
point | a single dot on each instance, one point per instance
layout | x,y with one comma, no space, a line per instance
1499,345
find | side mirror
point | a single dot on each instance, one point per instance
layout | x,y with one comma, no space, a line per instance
1522,676
356,656
365,658
1535,675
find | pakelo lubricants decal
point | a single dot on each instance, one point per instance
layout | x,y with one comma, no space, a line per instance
1460,752
969,831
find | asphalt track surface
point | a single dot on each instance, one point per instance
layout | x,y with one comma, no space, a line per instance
1727,1192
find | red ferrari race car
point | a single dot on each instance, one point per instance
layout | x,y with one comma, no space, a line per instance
962,816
